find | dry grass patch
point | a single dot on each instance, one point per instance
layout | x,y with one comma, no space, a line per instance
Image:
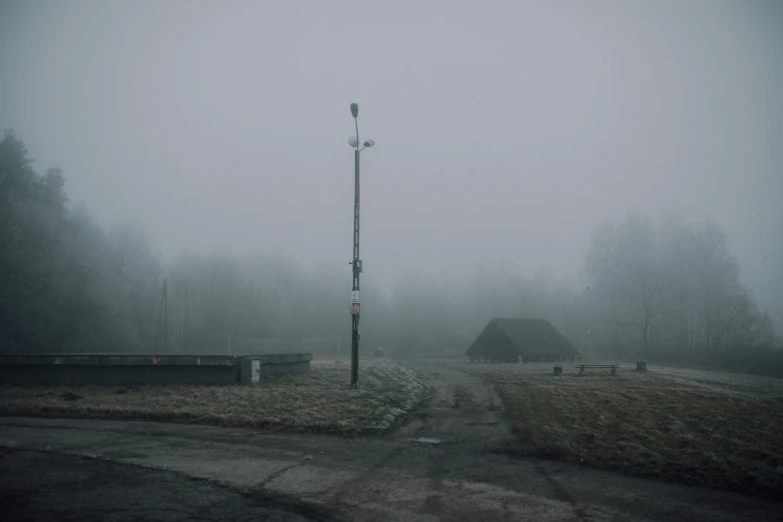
318,401
649,426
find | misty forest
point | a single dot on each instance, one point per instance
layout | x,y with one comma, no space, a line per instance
663,289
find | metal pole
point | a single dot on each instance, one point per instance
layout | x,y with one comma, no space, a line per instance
356,271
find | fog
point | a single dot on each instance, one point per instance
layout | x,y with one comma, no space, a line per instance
506,133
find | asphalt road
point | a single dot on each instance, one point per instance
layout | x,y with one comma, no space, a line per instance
446,463
49,486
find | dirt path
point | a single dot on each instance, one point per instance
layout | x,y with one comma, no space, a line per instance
454,460
463,410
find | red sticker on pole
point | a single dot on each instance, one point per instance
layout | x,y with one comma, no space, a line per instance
354,310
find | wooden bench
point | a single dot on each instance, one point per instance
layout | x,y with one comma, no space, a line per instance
583,366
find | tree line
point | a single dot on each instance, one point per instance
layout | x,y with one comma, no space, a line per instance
668,291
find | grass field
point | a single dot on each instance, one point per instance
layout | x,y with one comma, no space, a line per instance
318,401
646,424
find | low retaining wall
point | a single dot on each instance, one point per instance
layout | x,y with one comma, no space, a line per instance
117,369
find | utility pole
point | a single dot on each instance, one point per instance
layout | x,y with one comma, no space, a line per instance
357,263
589,325
165,315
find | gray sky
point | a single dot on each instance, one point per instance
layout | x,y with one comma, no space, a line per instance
506,131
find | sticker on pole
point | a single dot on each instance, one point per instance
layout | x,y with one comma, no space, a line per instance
354,297
355,310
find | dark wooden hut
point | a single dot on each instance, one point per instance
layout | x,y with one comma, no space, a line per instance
525,340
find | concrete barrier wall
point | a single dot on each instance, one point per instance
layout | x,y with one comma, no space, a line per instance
291,367
116,375
248,346
147,369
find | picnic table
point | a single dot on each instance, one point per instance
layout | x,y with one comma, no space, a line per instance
582,367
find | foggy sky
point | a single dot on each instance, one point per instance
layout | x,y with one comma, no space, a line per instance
505,132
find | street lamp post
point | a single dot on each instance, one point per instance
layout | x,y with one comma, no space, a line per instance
354,142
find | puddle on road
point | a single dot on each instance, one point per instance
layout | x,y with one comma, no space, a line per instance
427,440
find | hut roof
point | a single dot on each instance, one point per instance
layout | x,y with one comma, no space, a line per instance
530,337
